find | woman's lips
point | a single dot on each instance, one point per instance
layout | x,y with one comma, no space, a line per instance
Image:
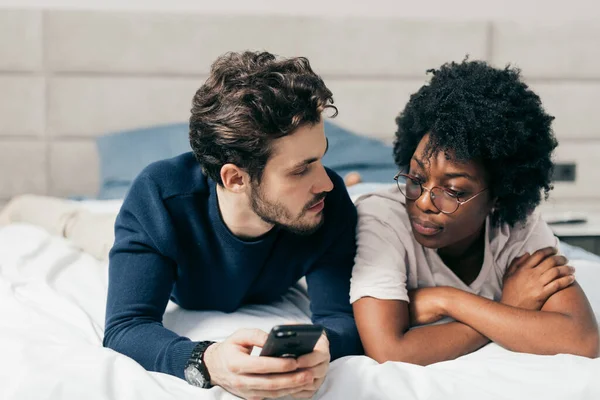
425,228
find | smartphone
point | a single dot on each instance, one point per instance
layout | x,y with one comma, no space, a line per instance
291,340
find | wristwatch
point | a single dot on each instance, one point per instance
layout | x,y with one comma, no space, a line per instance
195,371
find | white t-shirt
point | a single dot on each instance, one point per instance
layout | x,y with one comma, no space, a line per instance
390,262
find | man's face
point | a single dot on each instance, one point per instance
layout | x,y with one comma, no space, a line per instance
294,183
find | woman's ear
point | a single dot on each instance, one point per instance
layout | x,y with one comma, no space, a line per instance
495,205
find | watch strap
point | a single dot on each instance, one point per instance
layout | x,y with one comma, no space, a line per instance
196,361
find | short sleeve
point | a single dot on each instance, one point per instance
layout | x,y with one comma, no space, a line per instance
540,235
528,237
380,268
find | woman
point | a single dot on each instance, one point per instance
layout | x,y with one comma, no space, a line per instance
458,240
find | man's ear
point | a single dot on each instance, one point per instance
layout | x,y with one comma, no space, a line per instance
234,178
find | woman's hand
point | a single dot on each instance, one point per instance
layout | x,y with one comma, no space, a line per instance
532,279
426,305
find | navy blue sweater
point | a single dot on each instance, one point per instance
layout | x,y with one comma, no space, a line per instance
172,244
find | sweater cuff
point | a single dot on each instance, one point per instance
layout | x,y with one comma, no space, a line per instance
335,343
180,356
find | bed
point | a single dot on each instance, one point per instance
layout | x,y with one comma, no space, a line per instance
53,293
84,100
52,298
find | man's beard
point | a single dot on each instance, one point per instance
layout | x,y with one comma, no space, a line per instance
277,214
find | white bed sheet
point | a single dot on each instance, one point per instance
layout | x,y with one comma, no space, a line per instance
52,316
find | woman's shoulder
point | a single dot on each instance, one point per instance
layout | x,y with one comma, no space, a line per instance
520,231
508,242
382,204
382,199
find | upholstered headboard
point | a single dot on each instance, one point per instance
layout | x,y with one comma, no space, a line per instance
69,76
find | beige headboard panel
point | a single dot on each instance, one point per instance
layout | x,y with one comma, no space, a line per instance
68,76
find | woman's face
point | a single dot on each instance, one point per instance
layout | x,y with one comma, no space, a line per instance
434,229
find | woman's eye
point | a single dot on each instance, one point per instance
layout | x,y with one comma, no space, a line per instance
456,193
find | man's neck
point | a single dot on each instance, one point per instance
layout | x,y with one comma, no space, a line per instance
238,215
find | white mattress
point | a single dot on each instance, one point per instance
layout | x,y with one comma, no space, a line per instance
52,301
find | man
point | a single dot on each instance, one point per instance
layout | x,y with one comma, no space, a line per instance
238,221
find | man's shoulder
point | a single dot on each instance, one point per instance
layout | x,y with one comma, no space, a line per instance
178,176
334,176
147,210
338,205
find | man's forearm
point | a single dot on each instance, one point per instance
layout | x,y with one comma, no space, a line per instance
516,329
433,343
151,345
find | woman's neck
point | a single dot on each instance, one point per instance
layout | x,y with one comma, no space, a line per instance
465,258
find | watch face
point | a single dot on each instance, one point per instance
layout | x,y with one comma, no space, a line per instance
194,377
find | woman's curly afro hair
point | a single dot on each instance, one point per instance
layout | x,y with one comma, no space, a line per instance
477,112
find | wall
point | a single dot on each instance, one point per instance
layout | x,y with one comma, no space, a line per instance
557,10
68,76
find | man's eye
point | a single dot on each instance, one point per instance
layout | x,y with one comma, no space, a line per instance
301,172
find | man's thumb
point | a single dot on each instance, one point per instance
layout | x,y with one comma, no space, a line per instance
250,337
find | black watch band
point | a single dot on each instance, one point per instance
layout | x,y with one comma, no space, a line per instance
195,370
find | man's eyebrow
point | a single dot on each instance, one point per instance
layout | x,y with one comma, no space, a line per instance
312,159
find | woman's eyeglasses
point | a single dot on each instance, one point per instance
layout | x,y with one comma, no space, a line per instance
444,200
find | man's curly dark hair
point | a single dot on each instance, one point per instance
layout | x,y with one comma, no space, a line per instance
249,100
489,115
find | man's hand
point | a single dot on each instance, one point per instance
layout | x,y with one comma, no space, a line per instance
231,366
317,363
531,279
426,305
